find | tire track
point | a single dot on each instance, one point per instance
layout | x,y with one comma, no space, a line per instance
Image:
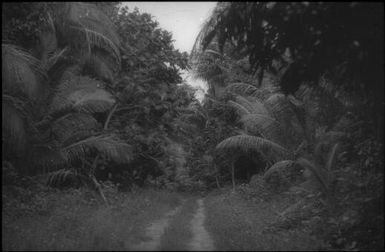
155,232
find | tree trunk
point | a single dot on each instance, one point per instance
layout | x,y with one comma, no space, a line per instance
99,189
216,179
232,174
260,77
216,176
94,164
95,182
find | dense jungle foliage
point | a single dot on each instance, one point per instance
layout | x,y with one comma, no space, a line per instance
93,92
306,82
91,104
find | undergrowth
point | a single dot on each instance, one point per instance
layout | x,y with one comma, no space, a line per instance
241,222
39,218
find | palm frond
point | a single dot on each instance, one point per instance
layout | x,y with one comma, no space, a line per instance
242,110
53,59
13,127
208,31
301,149
325,139
297,126
296,102
247,143
46,157
70,124
265,92
90,25
48,43
280,165
305,92
71,80
213,52
21,72
263,124
253,107
241,88
98,65
256,118
82,94
58,177
93,18
332,157
100,41
279,106
331,135
97,100
107,144
311,166
344,123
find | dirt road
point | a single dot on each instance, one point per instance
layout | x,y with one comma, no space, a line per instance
159,221
180,229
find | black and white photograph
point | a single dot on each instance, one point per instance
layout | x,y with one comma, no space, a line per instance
192,126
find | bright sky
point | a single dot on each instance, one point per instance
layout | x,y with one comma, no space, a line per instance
184,20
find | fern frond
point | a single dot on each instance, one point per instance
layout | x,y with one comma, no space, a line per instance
116,150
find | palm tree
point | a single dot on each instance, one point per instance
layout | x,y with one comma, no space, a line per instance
218,70
284,128
50,97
